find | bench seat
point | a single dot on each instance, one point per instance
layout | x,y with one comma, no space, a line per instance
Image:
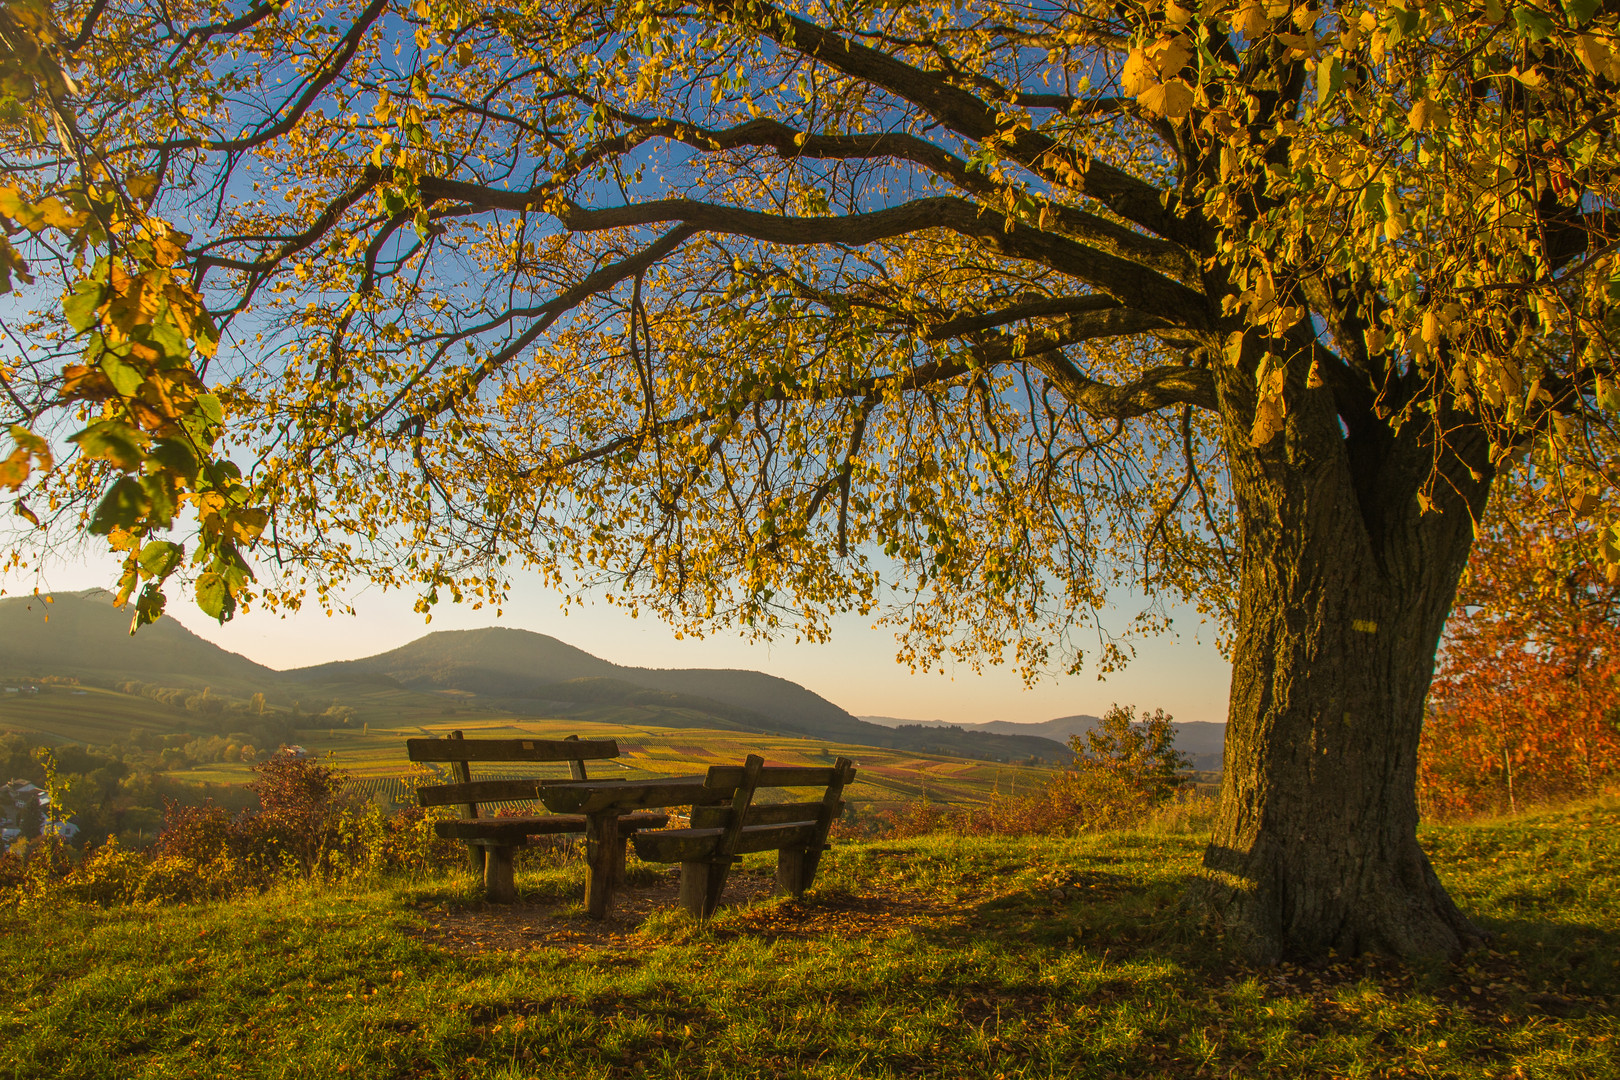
700,845
515,831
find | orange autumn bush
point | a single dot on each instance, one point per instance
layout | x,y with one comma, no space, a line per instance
1525,706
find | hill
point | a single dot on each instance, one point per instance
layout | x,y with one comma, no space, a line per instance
527,672
83,634
492,670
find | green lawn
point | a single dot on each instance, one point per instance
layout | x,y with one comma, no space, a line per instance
938,957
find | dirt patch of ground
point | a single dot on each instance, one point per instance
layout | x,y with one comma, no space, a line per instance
479,927
483,927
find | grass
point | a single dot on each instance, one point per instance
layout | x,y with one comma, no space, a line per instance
947,957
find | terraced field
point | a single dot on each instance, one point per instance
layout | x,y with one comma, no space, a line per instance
372,748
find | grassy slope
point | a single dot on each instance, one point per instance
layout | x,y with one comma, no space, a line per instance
935,957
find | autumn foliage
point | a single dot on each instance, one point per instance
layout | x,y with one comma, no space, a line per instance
1525,706
1125,770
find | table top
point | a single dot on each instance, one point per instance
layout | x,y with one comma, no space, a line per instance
598,796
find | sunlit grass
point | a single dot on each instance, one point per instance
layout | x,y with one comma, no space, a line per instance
940,956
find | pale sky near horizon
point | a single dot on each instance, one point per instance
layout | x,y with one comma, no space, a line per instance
857,670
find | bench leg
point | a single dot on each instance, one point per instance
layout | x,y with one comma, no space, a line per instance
701,884
790,876
604,862
498,886
475,859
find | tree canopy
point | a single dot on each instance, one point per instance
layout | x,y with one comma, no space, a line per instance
764,312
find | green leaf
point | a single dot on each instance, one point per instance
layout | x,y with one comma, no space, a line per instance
214,597
210,407
1580,12
1329,78
149,608
167,337
126,379
118,443
176,458
79,306
161,495
160,557
1533,22
121,507
1372,200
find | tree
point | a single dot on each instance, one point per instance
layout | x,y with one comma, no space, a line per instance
1526,700
134,323
963,313
1141,753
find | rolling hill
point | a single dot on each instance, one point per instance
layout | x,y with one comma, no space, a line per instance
494,670
524,671
83,634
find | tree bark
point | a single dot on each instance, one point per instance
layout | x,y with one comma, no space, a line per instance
1346,581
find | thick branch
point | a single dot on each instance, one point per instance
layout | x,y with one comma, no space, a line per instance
966,114
1149,292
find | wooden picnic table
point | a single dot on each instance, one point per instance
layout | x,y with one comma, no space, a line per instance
601,802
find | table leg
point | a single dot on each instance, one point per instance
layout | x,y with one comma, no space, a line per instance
601,851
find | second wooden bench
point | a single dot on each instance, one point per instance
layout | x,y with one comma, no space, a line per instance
797,831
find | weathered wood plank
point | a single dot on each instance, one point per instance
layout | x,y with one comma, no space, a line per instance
602,840
475,855
479,791
510,749
512,830
832,805
503,828
693,845
590,796
715,817
790,871
729,776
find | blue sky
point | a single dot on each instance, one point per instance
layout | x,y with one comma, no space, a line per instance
1185,676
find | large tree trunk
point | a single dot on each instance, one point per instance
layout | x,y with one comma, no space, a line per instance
1346,584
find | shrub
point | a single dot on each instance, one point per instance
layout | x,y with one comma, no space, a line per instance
303,830
1124,772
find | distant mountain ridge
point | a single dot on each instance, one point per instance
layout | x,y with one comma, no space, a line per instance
513,670
1201,740
521,665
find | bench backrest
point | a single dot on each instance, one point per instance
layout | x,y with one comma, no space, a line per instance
460,752
746,779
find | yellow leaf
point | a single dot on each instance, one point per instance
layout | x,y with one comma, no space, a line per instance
1593,53
1172,100
1418,114
1170,56
1268,420
1251,21
1137,75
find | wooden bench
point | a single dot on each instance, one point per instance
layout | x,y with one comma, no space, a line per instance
492,842
797,831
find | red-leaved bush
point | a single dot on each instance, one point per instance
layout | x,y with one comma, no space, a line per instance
1526,697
